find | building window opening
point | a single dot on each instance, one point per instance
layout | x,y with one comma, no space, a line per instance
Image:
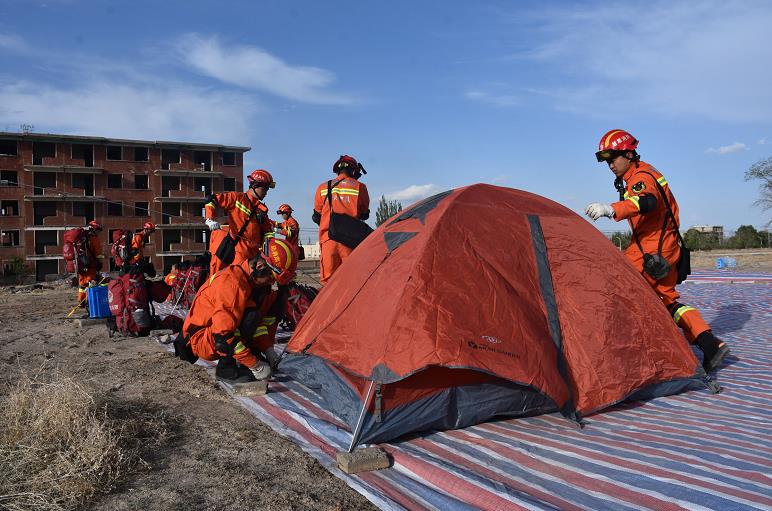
171,210
114,208
9,178
141,209
42,180
43,209
141,154
9,208
10,238
171,236
114,152
203,160
83,209
114,180
169,183
229,184
45,239
42,150
203,184
170,157
229,158
140,181
9,148
85,181
83,152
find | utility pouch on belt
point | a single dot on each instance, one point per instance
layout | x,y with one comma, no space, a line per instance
226,251
343,228
655,266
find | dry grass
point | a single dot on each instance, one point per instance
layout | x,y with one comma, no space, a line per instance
59,447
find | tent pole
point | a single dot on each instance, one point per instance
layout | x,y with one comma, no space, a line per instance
361,419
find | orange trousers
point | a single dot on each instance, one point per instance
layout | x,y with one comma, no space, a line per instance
688,318
83,281
202,344
333,254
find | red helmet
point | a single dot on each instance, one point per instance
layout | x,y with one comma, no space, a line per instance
281,259
259,178
348,165
95,226
284,208
150,226
615,141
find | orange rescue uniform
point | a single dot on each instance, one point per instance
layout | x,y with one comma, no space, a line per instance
238,206
95,250
290,229
641,181
138,243
217,312
349,197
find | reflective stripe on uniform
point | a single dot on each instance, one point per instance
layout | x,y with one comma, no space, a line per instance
635,200
241,207
340,191
209,205
261,330
239,348
269,320
662,181
683,309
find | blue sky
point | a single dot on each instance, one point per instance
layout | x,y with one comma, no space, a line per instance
428,95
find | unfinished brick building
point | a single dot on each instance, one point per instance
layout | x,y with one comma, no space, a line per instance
50,183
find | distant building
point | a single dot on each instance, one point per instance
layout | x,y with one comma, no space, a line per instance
714,231
50,183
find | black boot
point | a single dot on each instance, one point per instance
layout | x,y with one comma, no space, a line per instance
230,371
714,350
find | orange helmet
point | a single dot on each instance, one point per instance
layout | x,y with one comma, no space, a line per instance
259,178
281,259
94,225
150,226
615,142
284,208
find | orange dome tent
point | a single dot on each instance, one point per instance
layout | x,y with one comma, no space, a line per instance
485,301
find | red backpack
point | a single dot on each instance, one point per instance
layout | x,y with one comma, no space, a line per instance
127,296
299,298
186,285
121,247
75,250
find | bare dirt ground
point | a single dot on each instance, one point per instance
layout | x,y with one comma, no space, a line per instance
218,456
748,260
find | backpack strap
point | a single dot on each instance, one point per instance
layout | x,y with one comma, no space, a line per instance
330,186
668,216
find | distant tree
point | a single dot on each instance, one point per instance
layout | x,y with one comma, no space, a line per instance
696,240
762,170
621,239
386,210
692,239
746,236
18,268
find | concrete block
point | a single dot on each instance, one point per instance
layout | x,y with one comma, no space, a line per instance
84,322
251,389
363,460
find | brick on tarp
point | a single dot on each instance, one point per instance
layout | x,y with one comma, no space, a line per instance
250,389
363,460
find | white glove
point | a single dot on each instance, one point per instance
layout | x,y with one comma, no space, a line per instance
597,210
261,370
277,229
212,224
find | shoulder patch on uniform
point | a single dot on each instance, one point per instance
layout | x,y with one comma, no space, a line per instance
638,187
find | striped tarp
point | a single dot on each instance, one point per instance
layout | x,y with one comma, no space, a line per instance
692,451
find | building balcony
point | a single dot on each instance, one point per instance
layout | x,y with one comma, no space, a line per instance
184,194
187,172
66,169
63,221
43,257
54,195
186,199
50,250
180,253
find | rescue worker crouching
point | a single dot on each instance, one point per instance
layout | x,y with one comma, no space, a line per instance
233,318
653,216
94,247
248,222
349,197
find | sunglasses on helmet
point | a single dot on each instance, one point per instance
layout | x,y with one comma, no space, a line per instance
608,155
255,184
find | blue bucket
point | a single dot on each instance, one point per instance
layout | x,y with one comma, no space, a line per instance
98,305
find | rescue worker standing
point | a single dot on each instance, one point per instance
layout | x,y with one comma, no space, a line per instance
138,242
248,221
654,234
94,247
289,228
233,318
349,197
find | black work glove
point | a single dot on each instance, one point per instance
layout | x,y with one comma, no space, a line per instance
98,265
316,217
249,323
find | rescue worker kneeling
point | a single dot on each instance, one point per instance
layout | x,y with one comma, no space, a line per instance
233,317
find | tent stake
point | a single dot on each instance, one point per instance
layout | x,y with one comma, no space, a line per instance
361,419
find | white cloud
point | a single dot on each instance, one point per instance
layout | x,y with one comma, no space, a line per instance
414,192
763,141
253,68
499,100
121,109
731,148
706,59
13,43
